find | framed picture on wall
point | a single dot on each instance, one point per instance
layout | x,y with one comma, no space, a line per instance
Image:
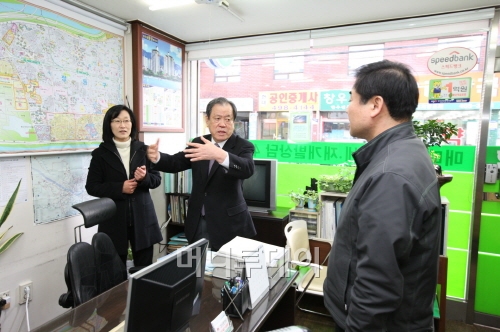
158,64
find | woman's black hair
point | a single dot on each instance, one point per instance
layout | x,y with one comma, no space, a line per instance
113,113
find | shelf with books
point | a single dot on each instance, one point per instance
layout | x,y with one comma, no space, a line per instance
311,217
176,183
331,205
176,241
177,207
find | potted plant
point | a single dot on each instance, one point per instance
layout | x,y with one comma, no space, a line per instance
434,133
8,208
340,182
312,197
297,198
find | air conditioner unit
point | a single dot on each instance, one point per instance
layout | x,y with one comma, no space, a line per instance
224,4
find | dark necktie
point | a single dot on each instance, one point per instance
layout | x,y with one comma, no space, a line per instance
210,164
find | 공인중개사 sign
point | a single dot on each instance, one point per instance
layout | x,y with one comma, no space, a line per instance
452,61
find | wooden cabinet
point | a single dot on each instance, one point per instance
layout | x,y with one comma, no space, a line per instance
270,226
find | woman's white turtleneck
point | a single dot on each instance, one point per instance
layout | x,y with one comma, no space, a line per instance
124,151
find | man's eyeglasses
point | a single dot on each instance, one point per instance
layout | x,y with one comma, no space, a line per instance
226,120
125,122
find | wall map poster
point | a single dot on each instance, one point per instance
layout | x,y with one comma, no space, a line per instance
158,87
57,78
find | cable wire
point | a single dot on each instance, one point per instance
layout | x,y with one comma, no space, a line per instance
27,292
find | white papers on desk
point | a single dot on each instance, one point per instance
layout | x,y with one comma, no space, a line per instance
238,247
256,273
228,261
242,253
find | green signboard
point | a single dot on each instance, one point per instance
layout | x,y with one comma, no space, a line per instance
453,158
456,158
334,100
325,153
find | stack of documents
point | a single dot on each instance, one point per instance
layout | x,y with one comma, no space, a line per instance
228,262
176,242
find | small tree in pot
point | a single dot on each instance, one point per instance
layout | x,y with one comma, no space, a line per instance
435,133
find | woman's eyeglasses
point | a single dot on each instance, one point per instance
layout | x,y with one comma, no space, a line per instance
125,122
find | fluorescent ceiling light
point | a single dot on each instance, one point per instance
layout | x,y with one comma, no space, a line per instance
162,4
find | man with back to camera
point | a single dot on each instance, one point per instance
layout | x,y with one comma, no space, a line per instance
217,210
382,271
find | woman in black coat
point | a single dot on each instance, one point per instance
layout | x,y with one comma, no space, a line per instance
120,170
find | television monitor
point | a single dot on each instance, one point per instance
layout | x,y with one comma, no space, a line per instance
259,190
166,294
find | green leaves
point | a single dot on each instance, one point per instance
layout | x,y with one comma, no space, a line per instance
9,205
434,132
8,208
4,246
340,182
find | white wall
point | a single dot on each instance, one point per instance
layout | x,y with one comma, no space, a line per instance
39,255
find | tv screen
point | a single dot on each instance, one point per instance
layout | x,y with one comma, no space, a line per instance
164,296
260,189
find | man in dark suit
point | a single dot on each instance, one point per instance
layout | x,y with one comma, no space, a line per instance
217,210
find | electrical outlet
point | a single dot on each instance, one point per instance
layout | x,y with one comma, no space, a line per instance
4,294
22,294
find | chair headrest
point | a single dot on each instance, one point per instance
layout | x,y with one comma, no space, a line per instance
96,211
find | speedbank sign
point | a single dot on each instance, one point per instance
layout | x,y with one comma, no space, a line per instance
453,61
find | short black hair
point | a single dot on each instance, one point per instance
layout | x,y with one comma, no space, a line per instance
112,113
220,101
394,82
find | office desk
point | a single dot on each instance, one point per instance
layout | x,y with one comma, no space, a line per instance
107,310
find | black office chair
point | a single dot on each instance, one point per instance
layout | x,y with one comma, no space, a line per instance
94,212
80,274
83,273
110,269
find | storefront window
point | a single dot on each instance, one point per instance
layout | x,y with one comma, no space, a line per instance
273,89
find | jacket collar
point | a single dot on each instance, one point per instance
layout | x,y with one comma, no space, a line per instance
134,145
364,155
231,141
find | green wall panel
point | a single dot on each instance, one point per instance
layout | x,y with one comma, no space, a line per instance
487,290
457,270
492,154
459,191
491,187
298,176
491,207
458,230
489,235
